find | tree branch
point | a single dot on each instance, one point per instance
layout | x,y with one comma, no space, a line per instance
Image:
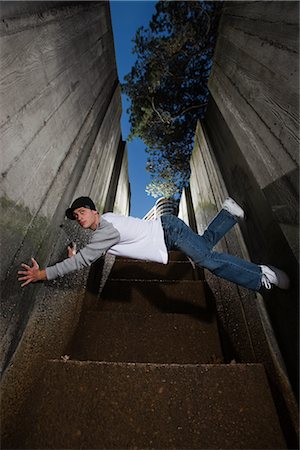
191,107
158,113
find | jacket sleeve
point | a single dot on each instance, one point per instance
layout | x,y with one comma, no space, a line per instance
102,239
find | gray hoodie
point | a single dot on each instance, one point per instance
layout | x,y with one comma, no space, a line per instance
104,237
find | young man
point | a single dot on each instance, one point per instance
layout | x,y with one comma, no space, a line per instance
151,240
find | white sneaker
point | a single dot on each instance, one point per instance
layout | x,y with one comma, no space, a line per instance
272,275
233,208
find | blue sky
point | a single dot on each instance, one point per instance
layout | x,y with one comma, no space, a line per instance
127,16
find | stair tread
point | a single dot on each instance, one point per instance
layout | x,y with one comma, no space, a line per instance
136,337
113,406
154,295
136,269
173,255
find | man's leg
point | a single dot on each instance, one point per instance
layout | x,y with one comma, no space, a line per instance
226,218
229,267
181,237
242,272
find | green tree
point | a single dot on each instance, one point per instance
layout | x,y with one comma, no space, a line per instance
162,188
167,85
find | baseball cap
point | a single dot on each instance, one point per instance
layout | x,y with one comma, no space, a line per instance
81,202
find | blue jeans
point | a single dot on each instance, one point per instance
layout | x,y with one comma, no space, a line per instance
179,236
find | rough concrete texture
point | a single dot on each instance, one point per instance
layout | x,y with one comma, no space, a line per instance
177,256
156,297
252,123
139,392
169,338
122,198
96,405
255,83
208,191
248,147
60,121
246,335
60,131
262,235
118,198
50,326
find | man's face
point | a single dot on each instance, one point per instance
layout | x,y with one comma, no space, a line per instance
86,218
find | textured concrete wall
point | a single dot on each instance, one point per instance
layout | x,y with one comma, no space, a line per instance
60,133
118,198
122,199
207,193
252,124
245,326
255,84
247,146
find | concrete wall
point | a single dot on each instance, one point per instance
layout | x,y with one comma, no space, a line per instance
248,147
252,124
207,193
245,327
60,133
118,198
255,85
122,198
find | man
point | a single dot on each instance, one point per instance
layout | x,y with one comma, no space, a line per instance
151,240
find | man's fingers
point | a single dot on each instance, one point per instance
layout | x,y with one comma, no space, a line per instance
31,274
23,278
34,263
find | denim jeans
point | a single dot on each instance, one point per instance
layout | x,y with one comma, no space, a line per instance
179,236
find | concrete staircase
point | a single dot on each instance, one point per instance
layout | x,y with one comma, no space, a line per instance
146,371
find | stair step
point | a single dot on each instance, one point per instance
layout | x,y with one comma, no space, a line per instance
131,337
181,297
175,255
89,405
135,269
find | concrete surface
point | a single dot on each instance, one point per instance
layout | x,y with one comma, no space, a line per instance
140,383
180,297
50,327
169,338
96,405
246,335
60,131
135,269
255,83
247,147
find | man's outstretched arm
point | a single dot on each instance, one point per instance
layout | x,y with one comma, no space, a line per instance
101,240
32,274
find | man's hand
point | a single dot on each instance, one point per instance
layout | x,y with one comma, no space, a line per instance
31,274
71,250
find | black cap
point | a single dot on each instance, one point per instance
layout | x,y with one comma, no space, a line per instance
81,202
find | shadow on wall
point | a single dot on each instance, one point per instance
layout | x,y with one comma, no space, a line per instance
24,236
263,231
38,320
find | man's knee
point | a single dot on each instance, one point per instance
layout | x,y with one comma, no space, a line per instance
200,258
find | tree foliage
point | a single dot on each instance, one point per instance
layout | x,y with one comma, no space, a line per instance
167,85
162,188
